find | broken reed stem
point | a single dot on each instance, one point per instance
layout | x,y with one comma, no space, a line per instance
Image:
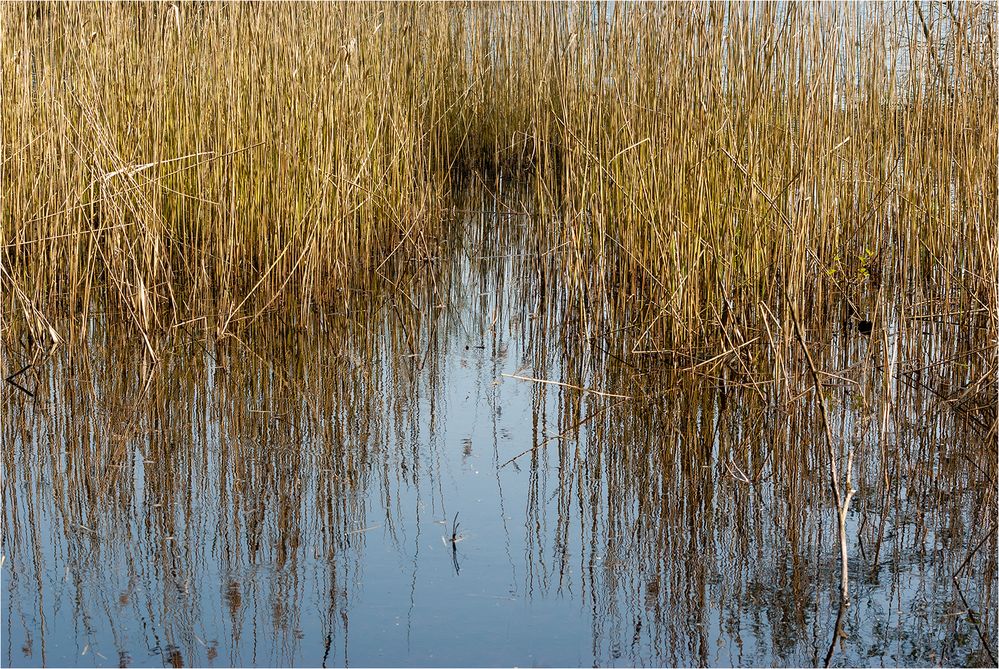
567,385
575,426
957,583
842,502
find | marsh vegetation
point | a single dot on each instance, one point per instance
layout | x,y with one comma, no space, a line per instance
684,309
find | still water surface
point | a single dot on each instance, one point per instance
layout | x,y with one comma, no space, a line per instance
289,499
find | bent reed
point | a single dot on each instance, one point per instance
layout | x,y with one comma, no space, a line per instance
707,170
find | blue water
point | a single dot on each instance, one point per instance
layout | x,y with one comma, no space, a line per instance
295,507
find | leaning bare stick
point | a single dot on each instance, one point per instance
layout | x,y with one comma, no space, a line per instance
842,501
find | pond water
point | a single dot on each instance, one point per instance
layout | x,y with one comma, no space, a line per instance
289,497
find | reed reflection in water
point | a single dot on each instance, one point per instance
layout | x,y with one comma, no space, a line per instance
287,497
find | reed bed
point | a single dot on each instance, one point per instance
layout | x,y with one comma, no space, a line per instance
732,165
270,200
709,170
171,162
